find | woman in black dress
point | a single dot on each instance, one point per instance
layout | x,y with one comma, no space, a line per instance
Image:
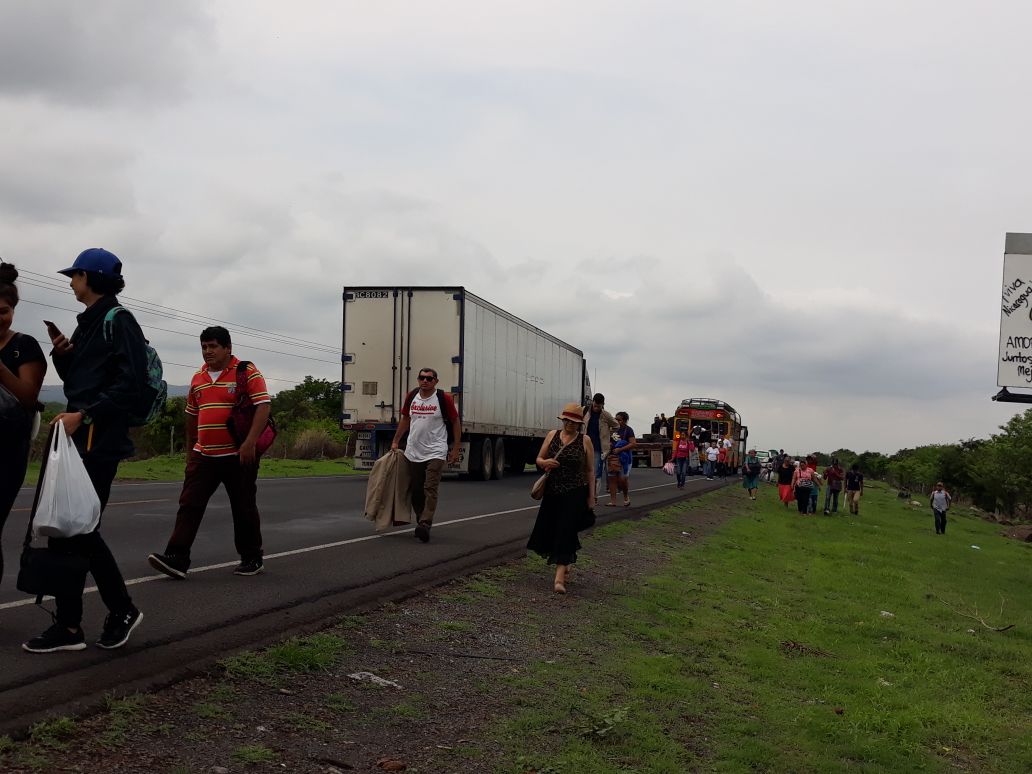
568,457
22,367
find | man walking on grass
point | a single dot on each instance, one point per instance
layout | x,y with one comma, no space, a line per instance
940,502
854,488
216,457
834,476
432,423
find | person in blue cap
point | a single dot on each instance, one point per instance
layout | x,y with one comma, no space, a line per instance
103,368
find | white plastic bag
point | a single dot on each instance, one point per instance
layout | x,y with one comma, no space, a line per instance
68,503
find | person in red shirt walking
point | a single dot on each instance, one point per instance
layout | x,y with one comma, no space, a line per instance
834,475
215,457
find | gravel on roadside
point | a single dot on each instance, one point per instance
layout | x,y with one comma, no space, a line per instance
418,686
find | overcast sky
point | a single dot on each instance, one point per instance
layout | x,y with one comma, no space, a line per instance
798,207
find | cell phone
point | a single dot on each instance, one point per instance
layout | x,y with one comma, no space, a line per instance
52,329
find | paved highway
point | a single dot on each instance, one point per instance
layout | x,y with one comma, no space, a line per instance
322,559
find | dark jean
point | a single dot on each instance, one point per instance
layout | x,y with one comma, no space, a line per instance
831,500
204,475
940,521
103,566
802,496
681,466
14,459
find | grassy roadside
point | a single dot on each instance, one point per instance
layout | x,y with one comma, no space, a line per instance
789,643
170,468
765,646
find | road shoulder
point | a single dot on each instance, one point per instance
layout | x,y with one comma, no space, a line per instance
454,658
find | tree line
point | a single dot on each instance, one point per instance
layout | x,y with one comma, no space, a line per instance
307,420
994,473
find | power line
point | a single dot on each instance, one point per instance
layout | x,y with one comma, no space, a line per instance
193,319
54,284
192,335
195,368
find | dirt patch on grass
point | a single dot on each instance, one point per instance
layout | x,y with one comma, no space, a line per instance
420,685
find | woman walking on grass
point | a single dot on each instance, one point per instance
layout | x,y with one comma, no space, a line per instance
569,459
22,367
786,490
751,473
803,481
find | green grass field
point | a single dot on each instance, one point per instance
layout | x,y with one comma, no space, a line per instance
796,644
167,468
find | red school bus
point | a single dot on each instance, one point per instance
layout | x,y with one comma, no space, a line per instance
720,419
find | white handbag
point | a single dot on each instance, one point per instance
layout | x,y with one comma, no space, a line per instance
68,503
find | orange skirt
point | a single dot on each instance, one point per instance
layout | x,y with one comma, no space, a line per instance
786,493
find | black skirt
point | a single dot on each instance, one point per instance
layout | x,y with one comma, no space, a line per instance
555,531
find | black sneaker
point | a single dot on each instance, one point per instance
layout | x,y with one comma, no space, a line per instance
172,566
55,638
117,629
423,532
249,567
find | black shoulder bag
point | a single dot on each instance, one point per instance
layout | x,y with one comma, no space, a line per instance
46,572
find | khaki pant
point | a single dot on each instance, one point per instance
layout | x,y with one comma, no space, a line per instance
424,479
853,498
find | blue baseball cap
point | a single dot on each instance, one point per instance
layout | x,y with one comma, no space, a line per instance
97,260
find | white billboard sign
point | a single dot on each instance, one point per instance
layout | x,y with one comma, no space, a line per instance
1015,365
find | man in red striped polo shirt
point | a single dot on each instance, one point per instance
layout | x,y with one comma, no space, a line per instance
216,458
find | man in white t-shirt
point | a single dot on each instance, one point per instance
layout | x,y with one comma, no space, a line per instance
940,502
712,453
427,415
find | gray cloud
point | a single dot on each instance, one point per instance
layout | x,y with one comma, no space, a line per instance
803,217
100,51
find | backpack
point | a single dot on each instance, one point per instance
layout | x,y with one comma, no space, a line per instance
448,416
154,392
241,417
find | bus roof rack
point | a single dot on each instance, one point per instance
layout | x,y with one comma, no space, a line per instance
707,402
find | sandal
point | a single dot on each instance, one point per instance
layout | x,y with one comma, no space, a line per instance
610,505
626,502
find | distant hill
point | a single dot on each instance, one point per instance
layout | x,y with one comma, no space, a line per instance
52,393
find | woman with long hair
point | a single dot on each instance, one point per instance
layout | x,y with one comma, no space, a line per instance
785,472
804,480
22,368
568,458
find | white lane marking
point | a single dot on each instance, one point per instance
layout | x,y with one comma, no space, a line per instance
112,504
127,484
309,549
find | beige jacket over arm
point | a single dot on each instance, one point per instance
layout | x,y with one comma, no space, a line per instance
387,492
606,427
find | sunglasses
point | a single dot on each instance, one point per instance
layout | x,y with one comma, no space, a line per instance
423,378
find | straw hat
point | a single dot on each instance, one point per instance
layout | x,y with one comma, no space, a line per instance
572,412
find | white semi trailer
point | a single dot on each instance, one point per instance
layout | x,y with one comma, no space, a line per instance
508,378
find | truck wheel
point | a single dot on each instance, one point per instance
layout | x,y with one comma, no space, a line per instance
516,458
486,460
498,469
